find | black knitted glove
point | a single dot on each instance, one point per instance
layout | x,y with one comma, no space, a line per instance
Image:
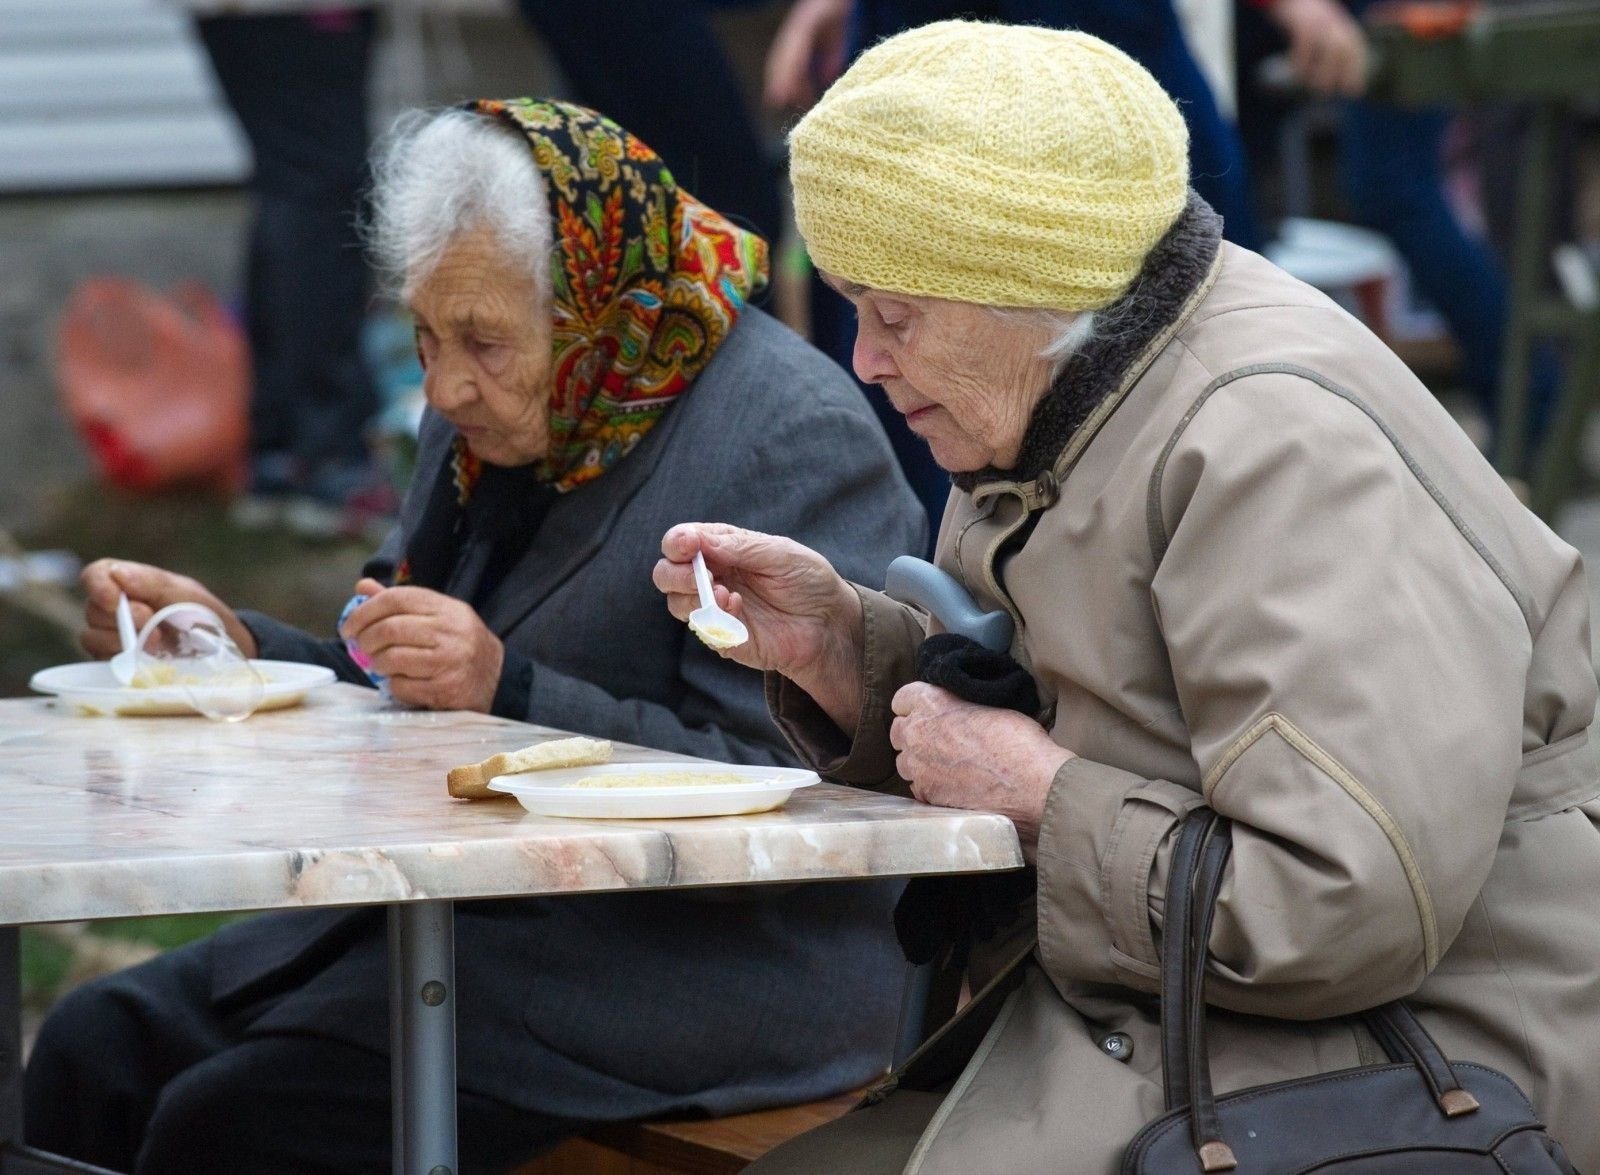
936,914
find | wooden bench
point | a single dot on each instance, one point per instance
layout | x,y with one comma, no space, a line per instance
724,1146
710,1146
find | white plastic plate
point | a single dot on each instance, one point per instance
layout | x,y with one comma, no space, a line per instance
90,687
551,793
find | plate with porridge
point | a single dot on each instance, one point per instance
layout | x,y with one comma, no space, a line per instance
652,791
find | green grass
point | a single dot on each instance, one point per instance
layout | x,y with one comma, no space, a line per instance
166,931
46,960
44,964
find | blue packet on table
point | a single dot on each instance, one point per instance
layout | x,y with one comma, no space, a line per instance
363,662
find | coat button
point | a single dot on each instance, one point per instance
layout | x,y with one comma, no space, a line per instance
1049,490
1117,1045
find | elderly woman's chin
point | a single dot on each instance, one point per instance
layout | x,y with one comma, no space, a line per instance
493,448
955,451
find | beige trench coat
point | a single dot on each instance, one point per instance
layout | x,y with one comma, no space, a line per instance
1298,592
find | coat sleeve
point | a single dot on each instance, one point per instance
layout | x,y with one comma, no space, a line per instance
277,641
893,632
1350,662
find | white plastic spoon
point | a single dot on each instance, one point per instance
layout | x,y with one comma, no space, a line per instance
718,629
126,663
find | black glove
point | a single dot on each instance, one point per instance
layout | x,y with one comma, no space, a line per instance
939,913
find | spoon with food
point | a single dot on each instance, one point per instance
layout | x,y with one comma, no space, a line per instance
715,627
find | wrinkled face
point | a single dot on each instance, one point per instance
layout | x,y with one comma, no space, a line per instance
484,339
965,379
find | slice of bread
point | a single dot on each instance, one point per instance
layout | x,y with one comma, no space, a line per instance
472,781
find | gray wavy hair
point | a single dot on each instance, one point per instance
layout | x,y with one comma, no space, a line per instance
440,173
1066,333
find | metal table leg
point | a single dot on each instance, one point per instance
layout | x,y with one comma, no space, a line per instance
16,1159
10,1036
422,1036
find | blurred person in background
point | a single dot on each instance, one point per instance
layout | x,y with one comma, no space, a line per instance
297,82
594,375
819,38
661,70
1392,176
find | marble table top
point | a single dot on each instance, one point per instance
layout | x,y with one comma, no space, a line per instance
342,801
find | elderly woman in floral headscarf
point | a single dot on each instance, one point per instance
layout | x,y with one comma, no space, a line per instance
594,374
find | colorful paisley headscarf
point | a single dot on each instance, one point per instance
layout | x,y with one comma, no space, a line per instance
647,283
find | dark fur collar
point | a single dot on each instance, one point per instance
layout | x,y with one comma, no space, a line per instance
1177,265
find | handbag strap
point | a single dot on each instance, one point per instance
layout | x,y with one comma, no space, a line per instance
1199,859
1177,940
1403,1037
1204,1126
1204,842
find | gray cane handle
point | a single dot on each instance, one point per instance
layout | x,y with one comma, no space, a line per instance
919,583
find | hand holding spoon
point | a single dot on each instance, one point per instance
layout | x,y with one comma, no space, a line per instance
717,628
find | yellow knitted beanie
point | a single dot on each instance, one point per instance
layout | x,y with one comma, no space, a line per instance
998,164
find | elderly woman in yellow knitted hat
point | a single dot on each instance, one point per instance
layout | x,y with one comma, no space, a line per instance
1250,562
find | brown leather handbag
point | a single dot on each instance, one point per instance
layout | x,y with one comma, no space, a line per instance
1418,1115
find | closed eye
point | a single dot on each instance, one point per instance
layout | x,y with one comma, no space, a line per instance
495,357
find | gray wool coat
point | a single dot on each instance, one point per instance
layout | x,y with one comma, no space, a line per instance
622,1006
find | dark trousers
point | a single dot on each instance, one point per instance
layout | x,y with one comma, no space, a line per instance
141,1072
659,70
298,87
1393,175
1392,172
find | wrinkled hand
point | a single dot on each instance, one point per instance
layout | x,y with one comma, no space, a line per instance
959,755
805,621
435,650
149,589
807,54
1327,47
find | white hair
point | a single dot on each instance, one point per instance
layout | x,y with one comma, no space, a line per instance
438,174
1067,333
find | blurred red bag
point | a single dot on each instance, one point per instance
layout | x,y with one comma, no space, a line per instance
157,386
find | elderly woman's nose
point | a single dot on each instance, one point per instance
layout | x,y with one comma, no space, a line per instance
869,358
449,384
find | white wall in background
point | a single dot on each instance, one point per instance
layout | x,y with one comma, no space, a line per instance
109,93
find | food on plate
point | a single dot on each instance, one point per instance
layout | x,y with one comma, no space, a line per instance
157,674
662,779
471,782
715,635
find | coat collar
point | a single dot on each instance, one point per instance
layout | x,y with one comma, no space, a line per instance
1129,334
